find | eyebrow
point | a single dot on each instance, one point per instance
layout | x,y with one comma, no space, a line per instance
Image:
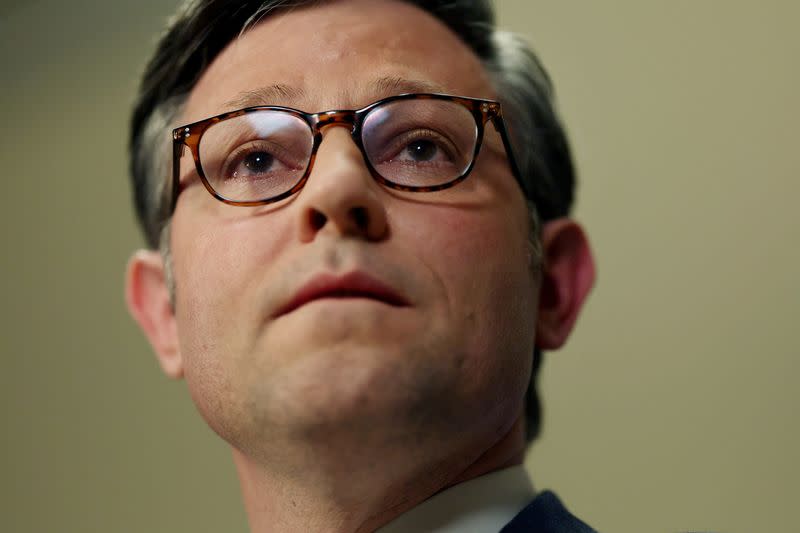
271,94
389,85
264,96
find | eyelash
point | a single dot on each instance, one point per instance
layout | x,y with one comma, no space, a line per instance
406,138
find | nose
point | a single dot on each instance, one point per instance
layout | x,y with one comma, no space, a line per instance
340,195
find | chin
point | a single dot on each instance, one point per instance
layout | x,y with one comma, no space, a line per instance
353,390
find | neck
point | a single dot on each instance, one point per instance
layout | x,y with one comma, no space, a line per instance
340,489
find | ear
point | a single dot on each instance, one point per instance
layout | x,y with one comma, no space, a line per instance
148,301
567,276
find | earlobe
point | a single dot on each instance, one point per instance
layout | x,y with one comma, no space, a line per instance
567,276
148,299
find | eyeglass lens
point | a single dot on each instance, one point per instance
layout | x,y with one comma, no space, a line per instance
412,143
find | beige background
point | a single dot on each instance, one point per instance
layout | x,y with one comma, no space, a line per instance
673,407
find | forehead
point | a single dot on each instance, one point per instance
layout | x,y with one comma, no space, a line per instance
336,55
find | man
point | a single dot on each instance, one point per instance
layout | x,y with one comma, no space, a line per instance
354,297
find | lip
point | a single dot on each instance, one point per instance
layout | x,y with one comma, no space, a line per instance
352,285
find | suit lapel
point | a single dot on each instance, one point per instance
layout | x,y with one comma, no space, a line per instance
546,514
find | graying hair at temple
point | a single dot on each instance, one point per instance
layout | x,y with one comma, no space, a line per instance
201,29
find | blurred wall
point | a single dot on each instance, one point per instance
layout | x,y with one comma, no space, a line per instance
674,405
671,409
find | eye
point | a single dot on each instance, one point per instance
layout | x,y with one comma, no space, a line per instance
253,161
421,146
422,150
257,162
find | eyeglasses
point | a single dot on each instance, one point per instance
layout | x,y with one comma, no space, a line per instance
410,142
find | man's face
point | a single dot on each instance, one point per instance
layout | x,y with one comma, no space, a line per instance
455,356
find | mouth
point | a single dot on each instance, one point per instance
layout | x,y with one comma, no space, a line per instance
355,285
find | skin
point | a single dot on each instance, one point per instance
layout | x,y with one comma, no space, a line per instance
345,413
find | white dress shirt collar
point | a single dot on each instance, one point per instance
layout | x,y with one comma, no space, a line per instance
481,505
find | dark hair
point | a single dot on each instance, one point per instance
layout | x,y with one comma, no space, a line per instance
201,29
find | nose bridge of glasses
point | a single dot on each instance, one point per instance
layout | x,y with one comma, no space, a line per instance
335,118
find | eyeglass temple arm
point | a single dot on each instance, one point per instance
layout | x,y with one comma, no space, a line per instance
500,126
177,151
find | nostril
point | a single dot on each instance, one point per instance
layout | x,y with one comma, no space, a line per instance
360,217
317,219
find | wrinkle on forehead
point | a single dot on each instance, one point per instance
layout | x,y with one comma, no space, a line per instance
333,52
284,95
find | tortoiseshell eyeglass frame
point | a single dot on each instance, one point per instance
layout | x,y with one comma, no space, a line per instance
481,110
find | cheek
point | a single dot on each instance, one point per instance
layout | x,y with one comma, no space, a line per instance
481,259
206,277
482,264
221,254
474,253
217,264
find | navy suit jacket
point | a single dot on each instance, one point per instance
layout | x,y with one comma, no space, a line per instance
546,514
